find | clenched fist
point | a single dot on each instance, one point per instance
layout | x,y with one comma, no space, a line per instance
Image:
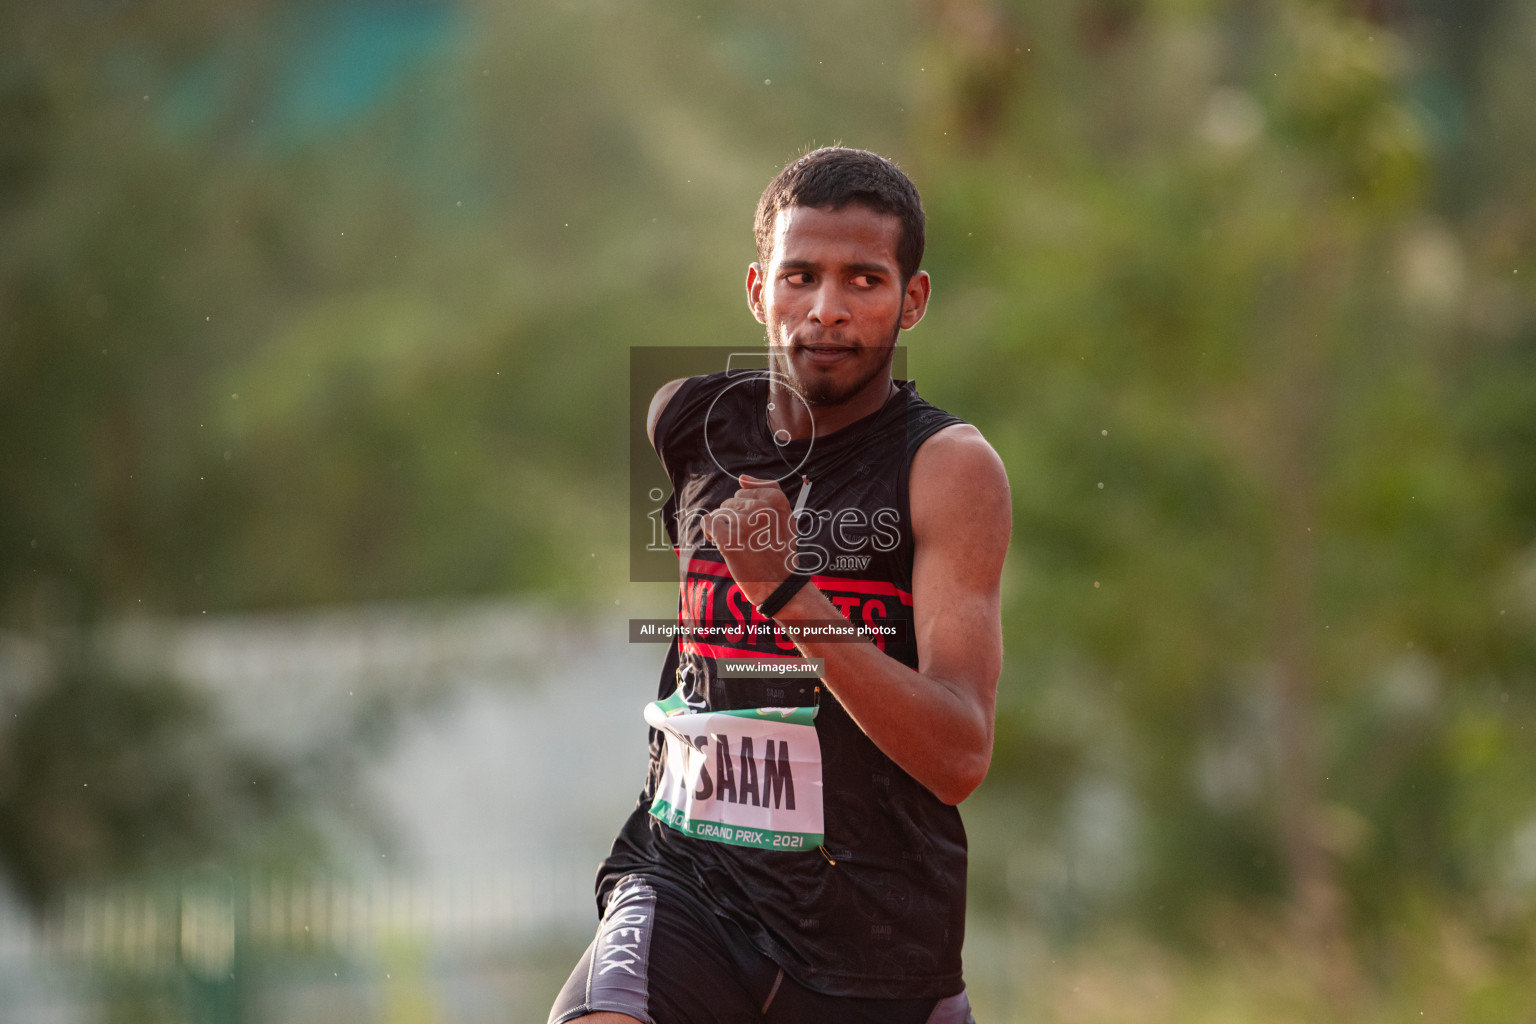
754,530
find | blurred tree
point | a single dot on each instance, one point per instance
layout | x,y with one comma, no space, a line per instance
1214,323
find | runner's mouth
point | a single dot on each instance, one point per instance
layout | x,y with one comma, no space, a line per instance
826,353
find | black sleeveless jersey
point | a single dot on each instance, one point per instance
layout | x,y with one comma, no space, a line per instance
887,918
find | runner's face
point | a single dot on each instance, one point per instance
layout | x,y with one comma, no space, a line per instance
833,300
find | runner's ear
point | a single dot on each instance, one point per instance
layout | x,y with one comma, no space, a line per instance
755,281
914,302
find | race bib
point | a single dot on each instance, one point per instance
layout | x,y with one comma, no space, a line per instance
747,778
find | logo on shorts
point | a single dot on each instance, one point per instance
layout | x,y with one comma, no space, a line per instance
623,933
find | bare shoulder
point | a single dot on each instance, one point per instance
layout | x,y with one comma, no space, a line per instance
659,405
957,466
960,501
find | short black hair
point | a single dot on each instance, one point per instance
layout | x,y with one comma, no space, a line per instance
831,178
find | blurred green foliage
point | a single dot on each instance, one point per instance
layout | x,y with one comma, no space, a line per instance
332,302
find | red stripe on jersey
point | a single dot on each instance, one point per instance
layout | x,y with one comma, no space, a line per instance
716,651
862,587
709,567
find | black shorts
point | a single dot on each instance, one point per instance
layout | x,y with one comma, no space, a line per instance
661,958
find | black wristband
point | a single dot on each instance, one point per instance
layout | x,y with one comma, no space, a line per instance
783,592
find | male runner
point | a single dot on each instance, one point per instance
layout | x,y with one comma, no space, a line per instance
796,854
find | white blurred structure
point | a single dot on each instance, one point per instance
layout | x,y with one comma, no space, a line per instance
513,748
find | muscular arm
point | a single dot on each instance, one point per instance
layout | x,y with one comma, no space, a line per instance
935,722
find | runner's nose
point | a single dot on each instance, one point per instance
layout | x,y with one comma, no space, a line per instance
830,309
